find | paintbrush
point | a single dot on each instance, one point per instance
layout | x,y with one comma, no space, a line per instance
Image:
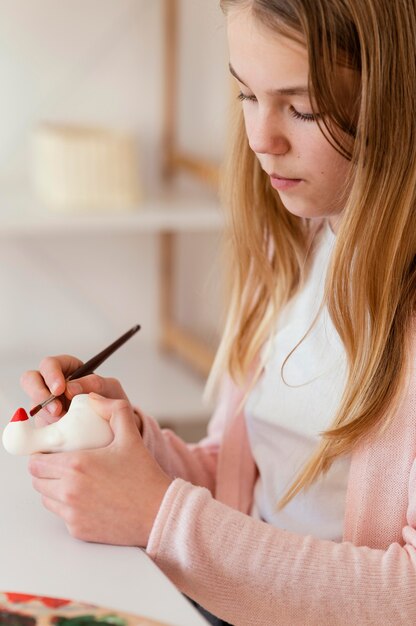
91,365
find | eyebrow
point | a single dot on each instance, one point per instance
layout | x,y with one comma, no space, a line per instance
283,91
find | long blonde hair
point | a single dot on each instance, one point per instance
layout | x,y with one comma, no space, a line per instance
371,282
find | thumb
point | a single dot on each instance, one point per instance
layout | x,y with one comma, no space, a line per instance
120,415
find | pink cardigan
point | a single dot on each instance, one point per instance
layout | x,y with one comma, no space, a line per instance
250,573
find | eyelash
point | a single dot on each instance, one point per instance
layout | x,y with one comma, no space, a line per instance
305,117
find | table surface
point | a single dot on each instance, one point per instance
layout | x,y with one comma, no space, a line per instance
38,556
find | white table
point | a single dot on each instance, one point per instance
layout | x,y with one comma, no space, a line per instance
37,555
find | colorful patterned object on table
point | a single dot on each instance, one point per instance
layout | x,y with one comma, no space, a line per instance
17,609
18,598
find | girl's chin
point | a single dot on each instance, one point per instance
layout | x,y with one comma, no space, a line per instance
307,212
301,211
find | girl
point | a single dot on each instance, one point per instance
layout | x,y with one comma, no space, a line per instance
300,505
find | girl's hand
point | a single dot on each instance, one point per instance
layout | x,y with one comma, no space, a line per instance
50,379
108,495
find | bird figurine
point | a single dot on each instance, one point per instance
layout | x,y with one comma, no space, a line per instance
80,428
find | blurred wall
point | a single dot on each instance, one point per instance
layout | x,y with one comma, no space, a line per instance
100,61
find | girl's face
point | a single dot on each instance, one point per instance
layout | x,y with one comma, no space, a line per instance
272,74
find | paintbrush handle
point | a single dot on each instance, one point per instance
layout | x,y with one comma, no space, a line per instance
92,364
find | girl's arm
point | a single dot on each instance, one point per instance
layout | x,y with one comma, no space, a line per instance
252,574
195,463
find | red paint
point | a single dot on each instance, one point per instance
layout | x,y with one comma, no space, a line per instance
18,597
23,597
20,416
54,602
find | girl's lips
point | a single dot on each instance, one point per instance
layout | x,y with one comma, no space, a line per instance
282,184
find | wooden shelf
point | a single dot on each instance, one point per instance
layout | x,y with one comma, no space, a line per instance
167,212
159,384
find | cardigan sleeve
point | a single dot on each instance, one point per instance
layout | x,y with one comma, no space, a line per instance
196,463
252,574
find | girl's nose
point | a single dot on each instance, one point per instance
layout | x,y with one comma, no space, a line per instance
266,136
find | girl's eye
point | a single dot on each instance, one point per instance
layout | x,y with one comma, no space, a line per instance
242,96
305,117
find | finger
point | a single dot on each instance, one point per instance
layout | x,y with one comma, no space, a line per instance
47,487
86,384
119,413
34,385
55,369
47,465
104,406
44,418
107,387
54,506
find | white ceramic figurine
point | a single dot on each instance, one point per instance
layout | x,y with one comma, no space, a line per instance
80,428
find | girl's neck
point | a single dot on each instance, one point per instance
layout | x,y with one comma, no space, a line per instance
333,223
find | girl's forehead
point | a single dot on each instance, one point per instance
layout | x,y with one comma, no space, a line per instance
245,20
269,59
263,53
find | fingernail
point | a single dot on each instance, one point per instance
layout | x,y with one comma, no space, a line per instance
74,388
55,386
52,407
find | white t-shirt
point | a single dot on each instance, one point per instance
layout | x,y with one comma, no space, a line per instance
284,417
